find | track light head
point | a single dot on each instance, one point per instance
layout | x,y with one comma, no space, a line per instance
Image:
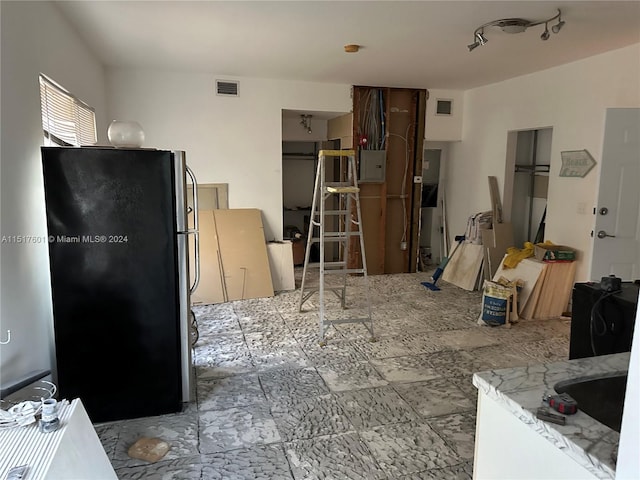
481,38
545,35
473,46
305,121
557,27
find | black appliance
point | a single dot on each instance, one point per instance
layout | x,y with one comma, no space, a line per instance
118,258
602,321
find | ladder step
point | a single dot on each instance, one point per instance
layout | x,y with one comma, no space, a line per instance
347,320
351,233
343,271
328,265
311,290
337,153
342,189
332,212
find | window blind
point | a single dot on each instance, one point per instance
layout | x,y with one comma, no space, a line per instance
66,120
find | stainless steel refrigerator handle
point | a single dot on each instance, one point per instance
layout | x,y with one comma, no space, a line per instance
196,234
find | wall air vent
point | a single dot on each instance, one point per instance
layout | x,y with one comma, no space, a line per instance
227,88
444,107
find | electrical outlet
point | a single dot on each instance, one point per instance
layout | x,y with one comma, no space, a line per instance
417,179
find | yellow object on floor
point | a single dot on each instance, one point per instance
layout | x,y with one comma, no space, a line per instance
516,255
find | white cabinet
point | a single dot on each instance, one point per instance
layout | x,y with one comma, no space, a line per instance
73,451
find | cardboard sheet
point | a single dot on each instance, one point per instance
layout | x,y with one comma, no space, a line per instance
234,264
243,254
281,265
210,289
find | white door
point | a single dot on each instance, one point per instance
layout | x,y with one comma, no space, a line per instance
616,248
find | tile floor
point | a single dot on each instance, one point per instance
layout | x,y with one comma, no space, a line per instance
273,404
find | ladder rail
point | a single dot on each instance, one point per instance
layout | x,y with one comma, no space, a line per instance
309,240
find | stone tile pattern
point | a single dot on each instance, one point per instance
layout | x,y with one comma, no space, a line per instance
272,404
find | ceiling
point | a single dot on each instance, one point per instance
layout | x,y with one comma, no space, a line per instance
418,44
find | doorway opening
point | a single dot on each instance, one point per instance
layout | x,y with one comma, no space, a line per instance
527,182
431,228
304,134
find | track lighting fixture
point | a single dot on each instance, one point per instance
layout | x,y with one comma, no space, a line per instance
305,121
516,25
545,34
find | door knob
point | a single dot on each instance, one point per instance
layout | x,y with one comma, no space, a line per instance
603,234
604,211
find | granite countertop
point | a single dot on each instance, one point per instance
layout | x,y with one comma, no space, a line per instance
520,390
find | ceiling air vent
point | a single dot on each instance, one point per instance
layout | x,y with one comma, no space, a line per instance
228,88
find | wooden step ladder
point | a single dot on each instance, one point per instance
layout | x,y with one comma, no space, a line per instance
342,197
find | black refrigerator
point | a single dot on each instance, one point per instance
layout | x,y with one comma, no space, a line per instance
119,266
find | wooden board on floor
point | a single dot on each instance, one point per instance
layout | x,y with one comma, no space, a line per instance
464,267
529,271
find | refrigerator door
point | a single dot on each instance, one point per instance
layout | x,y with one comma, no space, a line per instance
184,236
114,278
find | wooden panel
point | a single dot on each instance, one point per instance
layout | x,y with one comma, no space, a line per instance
243,253
528,308
399,178
529,271
373,209
464,267
281,265
495,243
556,290
210,289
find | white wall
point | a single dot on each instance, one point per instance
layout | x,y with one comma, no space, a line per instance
234,140
35,38
572,100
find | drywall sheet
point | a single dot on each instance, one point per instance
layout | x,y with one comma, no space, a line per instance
243,254
529,271
210,288
464,267
281,265
495,243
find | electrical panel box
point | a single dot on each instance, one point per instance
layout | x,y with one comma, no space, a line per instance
372,165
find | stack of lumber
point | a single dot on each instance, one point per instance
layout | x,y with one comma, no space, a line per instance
547,286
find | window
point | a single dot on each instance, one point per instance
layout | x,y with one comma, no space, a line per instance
66,120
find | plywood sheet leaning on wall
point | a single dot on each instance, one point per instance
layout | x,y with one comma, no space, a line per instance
243,254
556,290
464,266
210,288
234,264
